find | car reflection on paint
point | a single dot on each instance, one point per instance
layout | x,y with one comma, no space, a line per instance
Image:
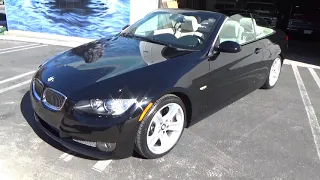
139,89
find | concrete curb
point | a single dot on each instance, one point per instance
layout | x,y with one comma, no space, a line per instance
41,41
42,38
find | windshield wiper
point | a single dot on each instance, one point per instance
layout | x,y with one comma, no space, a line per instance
131,35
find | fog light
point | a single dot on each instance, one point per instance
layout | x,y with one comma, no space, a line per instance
108,147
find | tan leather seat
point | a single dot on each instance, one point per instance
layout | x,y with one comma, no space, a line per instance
189,27
250,32
231,31
164,31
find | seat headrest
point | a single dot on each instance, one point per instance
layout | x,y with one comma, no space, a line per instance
230,29
190,24
247,23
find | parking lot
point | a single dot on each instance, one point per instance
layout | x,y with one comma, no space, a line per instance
269,134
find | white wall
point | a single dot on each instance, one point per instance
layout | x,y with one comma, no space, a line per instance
139,8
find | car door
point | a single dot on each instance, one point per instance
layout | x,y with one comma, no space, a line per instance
233,75
263,32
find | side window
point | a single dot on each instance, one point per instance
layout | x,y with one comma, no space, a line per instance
261,27
238,28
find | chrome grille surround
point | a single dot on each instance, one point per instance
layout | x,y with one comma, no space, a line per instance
53,99
42,95
36,84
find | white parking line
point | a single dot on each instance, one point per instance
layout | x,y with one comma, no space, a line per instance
66,157
14,86
315,76
63,155
314,124
101,165
297,63
3,52
17,77
28,45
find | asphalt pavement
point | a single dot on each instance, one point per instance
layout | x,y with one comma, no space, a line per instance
269,134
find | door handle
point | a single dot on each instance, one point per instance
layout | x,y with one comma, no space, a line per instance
257,50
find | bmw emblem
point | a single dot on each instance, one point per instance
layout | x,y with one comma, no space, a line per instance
51,79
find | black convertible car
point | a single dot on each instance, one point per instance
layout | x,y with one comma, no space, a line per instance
139,89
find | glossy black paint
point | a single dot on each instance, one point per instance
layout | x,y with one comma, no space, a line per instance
229,47
122,67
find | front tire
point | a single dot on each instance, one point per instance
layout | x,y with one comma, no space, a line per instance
274,73
161,128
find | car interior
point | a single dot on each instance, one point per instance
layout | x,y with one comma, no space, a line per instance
191,31
243,30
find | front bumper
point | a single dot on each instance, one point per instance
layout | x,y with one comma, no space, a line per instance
80,132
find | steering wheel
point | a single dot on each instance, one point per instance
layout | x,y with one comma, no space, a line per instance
175,28
200,38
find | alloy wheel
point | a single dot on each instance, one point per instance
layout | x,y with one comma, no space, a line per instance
275,71
165,128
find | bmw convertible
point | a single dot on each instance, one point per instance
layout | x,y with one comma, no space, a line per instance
139,89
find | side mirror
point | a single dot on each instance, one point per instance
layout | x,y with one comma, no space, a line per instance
125,27
229,47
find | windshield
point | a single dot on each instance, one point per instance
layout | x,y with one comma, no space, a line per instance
267,8
186,30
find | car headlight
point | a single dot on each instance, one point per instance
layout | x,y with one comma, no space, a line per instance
105,107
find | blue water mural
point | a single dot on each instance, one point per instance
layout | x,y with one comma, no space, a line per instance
80,18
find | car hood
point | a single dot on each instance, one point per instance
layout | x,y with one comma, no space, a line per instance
98,61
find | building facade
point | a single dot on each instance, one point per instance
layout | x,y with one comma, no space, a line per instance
79,18
88,18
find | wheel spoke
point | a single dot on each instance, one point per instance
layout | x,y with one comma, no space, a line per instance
154,138
164,139
158,119
174,126
173,110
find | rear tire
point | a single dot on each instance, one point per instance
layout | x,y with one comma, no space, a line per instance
161,128
274,73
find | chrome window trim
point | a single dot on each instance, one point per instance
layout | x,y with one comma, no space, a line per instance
51,106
